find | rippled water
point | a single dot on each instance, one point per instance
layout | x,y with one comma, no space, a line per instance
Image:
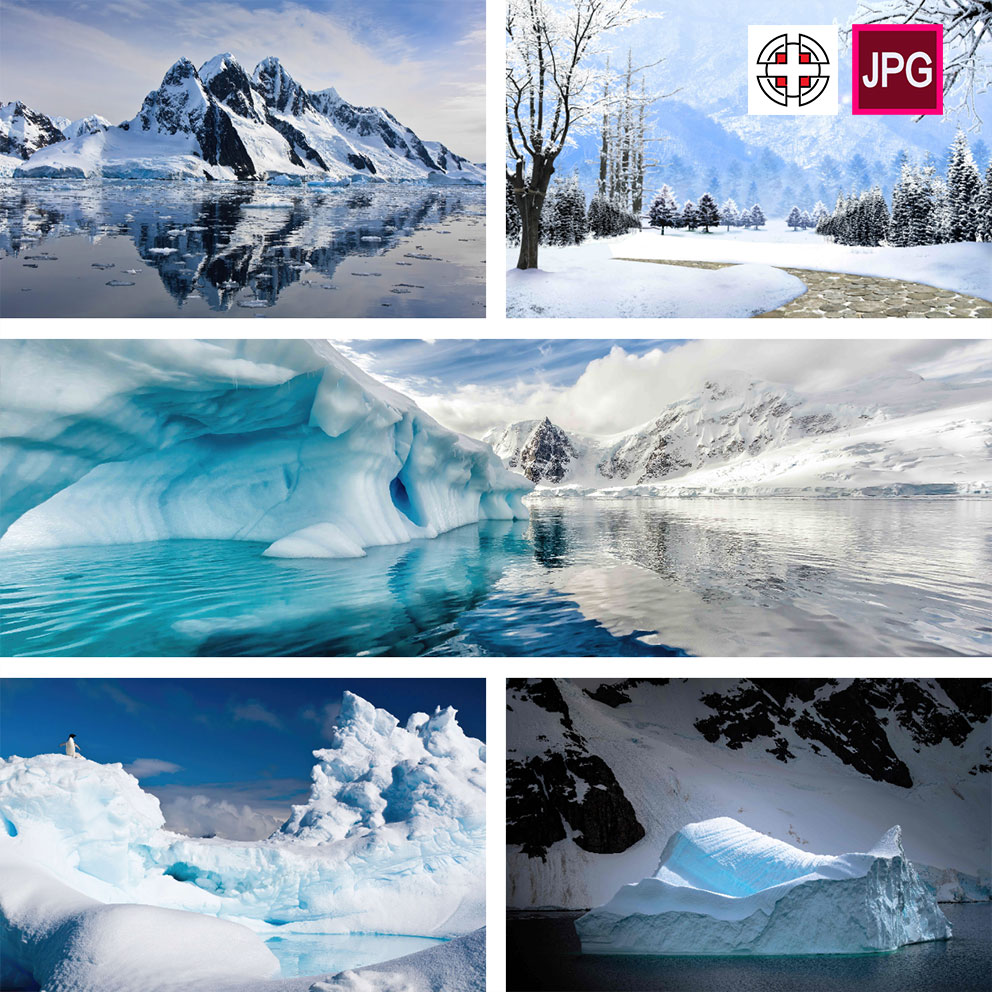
543,955
328,954
581,577
147,249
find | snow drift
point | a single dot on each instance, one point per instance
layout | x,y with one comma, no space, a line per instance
722,888
391,841
282,442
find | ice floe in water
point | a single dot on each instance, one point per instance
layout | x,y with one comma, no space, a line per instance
722,888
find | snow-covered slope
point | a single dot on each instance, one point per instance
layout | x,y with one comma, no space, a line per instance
722,888
22,132
220,123
285,442
895,433
91,124
601,775
391,841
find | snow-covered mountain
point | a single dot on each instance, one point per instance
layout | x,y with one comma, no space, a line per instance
601,774
896,433
217,122
92,124
392,840
22,132
283,442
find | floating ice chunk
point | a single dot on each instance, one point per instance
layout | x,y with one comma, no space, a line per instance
324,540
162,251
722,888
119,282
254,304
102,265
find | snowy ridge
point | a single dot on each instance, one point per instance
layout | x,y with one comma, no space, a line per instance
219,122
86,857
724,888
24,131
282,442
812,763
740,435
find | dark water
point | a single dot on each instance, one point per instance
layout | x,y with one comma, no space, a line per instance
165,249
543,954
580,578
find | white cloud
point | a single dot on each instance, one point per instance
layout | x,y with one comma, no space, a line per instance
254,712
142,768
200,815
620,391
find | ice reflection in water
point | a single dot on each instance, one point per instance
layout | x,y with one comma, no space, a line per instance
92,248
582,577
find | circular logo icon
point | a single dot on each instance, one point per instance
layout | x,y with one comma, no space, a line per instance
793,72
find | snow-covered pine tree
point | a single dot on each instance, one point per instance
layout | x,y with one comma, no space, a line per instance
548,222
875,221
599,216
904,197
729,214
806,220
985,207
571,225
964,187
757,216
664,210
690,216
512,217
744,218
709,215
794,219
819,211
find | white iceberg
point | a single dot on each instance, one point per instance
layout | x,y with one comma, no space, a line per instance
392,841
722,888
282,442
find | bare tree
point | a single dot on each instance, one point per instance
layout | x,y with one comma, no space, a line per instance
967,35
555,76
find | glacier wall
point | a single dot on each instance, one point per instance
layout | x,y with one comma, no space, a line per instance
282,442
722,888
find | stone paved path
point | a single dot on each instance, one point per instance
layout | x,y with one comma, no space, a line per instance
837,294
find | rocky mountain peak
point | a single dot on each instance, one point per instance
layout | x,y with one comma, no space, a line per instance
280,91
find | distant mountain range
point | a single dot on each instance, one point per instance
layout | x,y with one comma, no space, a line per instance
892,434
217,122
601,773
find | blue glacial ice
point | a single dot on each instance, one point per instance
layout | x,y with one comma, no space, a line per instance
98,894
722,888
283,442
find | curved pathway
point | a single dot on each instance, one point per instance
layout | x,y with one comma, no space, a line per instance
839,294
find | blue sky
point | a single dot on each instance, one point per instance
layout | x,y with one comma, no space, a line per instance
462,362
245,743
422,59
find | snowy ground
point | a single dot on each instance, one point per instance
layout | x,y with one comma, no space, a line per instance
963,268
587,281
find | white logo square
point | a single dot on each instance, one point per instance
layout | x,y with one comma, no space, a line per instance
792,70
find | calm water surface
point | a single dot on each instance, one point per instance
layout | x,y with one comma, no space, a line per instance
581,577
543,954
122,248
328,954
